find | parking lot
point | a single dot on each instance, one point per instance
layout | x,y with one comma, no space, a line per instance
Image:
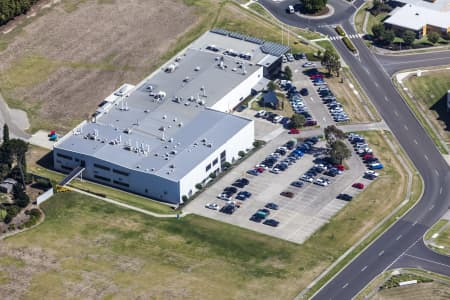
310,207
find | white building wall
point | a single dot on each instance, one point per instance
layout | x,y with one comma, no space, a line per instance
241,141
239,93
142,183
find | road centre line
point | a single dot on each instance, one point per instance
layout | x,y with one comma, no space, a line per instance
381,253
431,207
345,285
406,127
386,98
415,142
436,171
363,269
440,191
395,113
399,237
426,157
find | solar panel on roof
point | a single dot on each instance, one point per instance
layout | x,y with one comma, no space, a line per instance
254,40
274,48
220,31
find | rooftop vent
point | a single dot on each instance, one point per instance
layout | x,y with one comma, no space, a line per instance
197,68
171,68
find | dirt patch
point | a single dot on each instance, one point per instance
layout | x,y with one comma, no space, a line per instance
22,264
70,61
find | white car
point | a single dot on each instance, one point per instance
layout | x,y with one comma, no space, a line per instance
212,206
275,171
371,174
321,182
224,196
306,178
262,113
277,119
308,64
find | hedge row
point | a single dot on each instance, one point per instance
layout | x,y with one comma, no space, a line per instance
349,44
340,31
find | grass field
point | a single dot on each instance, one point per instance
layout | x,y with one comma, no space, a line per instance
443,238
429,94
327,45
100,249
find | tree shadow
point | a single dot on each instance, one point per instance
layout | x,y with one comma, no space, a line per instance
440,107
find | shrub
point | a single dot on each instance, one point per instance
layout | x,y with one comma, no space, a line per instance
8,218
185,198
198,186
257,144
35,212
340,31
433,37
212,175
349,44
241,154
226,165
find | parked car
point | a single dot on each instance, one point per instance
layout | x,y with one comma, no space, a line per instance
308,65
224,196
376,166
297,183
294,131
243,195
228,209
345,197
271,222
212,206
253,172
287,194
304,92
272,205
358,185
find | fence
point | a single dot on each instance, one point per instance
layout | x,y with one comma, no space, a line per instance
45,196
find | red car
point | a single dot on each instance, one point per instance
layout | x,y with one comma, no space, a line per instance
340,167
314,76
358,185
260,169
294,131
367,156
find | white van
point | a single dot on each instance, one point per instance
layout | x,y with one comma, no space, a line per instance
290,9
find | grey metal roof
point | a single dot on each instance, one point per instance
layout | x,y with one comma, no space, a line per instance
196,81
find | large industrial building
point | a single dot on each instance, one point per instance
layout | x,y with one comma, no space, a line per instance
420,16
173,130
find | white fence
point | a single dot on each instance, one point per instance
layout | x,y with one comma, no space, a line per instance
45,196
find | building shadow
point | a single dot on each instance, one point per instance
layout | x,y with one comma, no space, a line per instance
46,161
440,107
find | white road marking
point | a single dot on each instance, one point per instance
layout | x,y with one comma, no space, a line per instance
396,113
345,285
312,99
431,207
399,237
415,142
406,127
381,253
436,171
386,98
426,157
440,191
414,224
376,84
363,269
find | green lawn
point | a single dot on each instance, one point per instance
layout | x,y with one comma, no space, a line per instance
429,94
260,10
327,45
359,18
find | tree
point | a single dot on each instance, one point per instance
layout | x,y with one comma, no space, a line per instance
5,134
313,6
297,121
18,149
378,31
288,73
388,36
271,86
339,151
332,134
331,62
409,37
433,37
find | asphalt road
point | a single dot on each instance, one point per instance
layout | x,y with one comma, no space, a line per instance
401,245
395,63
